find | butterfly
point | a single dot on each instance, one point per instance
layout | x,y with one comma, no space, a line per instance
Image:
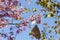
35,32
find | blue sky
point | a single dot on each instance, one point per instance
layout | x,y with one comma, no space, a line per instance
24,35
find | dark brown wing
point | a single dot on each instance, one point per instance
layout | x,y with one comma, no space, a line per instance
36,32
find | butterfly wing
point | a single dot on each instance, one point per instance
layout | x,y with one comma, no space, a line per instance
35,32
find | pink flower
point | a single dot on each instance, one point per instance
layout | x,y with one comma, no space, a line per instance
38,18
32,18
